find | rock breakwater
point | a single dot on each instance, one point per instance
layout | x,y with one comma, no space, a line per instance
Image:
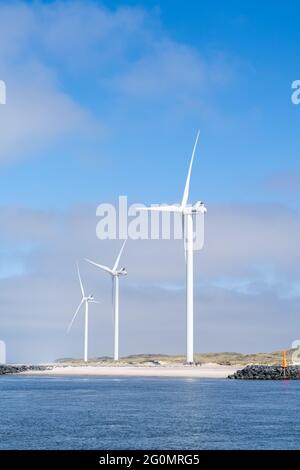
267,373
16,369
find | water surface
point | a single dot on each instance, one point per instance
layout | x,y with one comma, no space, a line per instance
147,413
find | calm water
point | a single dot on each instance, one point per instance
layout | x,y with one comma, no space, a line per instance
128,413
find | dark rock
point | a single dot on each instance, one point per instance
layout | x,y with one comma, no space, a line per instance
256,372
16,369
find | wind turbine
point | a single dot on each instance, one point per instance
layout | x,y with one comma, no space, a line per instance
115,273
85,300
187,213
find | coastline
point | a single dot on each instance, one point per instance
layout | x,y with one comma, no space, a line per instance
206,371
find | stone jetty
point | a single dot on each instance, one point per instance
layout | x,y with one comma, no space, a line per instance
16,369
267,373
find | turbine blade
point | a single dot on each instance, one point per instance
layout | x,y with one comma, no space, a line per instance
101,266
119,256
187,184
171,208
80,281
74,316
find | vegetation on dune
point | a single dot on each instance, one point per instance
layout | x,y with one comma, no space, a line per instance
222,358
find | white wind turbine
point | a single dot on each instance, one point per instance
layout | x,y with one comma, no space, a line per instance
187,213
85,300
115,273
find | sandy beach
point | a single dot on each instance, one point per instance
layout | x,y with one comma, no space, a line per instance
204,371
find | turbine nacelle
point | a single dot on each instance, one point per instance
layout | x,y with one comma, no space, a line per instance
121,272
198,208
89,298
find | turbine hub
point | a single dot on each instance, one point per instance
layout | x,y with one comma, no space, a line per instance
122,272
198,208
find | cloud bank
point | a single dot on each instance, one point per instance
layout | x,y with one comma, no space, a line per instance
115,58
247,292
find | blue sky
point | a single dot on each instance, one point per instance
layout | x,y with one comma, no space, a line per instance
104,99
248,57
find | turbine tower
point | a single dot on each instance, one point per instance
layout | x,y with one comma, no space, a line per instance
115,273
85,300
187,213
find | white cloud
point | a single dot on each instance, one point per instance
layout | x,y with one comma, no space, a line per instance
38,113
123,55
37,303
166,69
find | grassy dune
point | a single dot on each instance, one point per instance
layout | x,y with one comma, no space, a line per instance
223,358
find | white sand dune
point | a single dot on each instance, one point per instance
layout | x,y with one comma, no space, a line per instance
203,371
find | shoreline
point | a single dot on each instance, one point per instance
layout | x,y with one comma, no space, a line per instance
213,371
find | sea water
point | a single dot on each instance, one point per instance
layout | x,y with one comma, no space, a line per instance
146,413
